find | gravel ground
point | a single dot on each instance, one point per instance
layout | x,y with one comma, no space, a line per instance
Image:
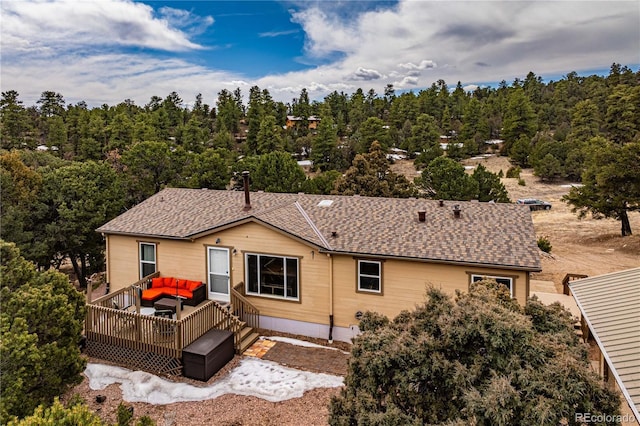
227,410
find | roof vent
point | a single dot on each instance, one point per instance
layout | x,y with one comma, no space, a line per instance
422,216
441,203
456,210
325,203
334,234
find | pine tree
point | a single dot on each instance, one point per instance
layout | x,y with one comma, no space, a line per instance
478,359
40,323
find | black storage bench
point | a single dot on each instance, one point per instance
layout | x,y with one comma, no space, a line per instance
204,357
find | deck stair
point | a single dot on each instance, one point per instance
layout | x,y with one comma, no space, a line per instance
249,315
248,336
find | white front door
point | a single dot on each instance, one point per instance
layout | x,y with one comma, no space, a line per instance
218,273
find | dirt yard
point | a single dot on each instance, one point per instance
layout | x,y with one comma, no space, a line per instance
586,246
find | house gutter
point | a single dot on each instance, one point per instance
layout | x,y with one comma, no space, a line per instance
330,297
438,261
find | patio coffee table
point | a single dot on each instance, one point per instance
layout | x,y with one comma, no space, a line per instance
167,304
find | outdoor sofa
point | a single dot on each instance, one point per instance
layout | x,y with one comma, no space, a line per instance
191,292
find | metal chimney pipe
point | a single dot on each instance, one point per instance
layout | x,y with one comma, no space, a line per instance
456,210
247,200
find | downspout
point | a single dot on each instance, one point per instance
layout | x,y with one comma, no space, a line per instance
108,262
330,298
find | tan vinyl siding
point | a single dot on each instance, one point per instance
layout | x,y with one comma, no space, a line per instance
403,282
313,304
123,262
186,259
404,286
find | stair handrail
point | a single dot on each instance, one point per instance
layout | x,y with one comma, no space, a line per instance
244,309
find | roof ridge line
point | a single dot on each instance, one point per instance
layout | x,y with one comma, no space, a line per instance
312,225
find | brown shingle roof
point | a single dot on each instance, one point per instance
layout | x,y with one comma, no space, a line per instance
485,234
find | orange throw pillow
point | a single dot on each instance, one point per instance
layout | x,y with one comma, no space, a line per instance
192,285
169,282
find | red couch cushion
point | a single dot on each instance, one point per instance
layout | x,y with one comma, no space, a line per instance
169,282
152,293
185,293
170,286
192,285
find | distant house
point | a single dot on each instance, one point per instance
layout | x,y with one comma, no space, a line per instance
293,121
610,307
312,264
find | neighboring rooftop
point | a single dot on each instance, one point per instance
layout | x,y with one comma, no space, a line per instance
484,234
610,304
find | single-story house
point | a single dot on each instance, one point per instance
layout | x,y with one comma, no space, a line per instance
312,264
610,307
293,121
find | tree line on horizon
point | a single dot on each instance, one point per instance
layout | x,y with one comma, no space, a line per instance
67,169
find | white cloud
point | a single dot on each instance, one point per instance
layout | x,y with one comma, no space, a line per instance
186,20
366,74
111,78
56,26
407,81
278,33
76,48
325,35
473,41
423,65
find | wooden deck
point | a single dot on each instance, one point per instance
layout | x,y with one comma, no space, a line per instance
118,328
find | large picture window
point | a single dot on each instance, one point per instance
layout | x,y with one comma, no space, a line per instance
272,276
507,281
369,276
147,259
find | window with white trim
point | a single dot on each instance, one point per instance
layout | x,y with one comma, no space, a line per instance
506,281
272,276
369,276
147,259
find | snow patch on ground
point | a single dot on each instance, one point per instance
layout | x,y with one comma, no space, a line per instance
253,377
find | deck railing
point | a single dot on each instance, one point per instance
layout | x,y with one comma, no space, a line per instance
133,331
243,309
567,279
129,329
163,336
207,317
125,296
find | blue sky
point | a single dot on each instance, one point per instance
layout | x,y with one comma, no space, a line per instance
105,51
